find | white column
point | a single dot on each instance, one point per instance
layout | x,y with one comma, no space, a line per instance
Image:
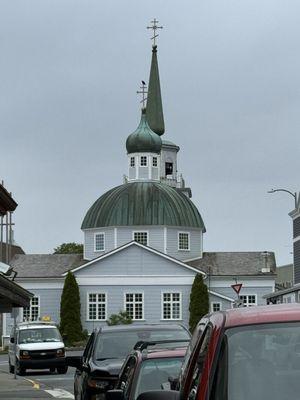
165,240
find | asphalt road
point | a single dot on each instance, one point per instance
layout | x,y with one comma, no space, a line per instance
40,384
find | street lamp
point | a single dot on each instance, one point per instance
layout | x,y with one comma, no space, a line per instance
295,195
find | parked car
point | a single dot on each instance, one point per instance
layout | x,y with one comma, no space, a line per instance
148,367
98,369
38,345
247,353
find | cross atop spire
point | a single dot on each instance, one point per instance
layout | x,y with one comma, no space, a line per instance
143,91
154,27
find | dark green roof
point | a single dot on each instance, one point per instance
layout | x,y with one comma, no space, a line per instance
155,115
143,203
143,139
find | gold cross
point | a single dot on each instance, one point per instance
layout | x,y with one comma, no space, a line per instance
143,92
154,27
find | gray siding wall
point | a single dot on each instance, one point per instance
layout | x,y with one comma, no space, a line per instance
89,252
134,260
297,262
155,236
296,227
195,243
259,291
225,304
132,172
144,172
152,302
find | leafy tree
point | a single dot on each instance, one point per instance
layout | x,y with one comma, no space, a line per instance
69,248
119,319
70,322
199,301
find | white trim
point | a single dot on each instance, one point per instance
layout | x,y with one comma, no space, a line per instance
115,237
37,296
95,234
222,296
143,303
151,250
189,240
212,304
88,310
137,167
172,291
135,280
296,239
248,281
143,231
165,239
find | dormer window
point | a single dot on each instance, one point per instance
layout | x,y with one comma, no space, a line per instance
143,161
154,161
132,161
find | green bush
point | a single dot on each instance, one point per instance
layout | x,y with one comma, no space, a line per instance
199,301
70,321
119,319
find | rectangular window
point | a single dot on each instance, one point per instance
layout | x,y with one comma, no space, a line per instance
248,300
183,241
215,307
141,237
96,306
154,161
143,161
134,305
99,242
171,306
169,168
32,313
132,161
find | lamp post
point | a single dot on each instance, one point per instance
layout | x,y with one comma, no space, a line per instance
295,215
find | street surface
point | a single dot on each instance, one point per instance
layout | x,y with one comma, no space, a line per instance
35,384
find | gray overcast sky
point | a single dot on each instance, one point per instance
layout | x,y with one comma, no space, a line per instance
231,93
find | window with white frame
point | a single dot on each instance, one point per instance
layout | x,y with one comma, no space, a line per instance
183,241
132,161
99,242
141,237
134,305
96,307
248,300
154,161
171,306
32,313
143,161
215,307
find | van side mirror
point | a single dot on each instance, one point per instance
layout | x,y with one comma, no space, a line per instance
12,340
116,394
74,361
159,395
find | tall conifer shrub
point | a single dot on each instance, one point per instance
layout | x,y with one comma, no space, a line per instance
70,322
199,301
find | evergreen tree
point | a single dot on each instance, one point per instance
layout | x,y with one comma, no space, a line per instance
69,248
199,301
70,322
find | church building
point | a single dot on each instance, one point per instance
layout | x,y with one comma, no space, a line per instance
143,242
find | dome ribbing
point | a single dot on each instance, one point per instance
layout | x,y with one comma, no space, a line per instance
143,203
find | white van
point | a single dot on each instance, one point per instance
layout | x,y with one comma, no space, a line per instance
38,345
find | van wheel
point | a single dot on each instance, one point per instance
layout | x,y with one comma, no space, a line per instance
62,370
19,370
11,368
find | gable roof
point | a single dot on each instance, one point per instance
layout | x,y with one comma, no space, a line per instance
246,263
44,265
133,243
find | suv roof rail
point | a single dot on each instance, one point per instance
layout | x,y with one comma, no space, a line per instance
142,345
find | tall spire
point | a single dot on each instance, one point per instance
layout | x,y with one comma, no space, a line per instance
154,109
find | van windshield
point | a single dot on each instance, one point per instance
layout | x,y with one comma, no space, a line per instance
39,335
261,362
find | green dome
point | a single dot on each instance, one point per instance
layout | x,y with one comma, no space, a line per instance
143,139
143,203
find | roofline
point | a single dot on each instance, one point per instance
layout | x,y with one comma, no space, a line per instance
294,288
221,296
150,249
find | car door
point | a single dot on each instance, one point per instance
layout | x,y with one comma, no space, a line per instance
80,374
127,376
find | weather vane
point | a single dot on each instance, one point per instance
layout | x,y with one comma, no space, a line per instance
143,92
154,27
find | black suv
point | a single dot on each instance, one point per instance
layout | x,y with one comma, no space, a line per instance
98,369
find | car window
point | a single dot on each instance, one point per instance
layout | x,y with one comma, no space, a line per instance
88,348
39,335
126,377
199,364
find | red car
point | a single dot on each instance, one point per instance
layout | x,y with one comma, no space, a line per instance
241,354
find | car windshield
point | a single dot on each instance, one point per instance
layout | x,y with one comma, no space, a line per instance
261,362
117,344
39,335
155,372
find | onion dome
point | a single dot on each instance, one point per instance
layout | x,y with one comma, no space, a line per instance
143,203
143,139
